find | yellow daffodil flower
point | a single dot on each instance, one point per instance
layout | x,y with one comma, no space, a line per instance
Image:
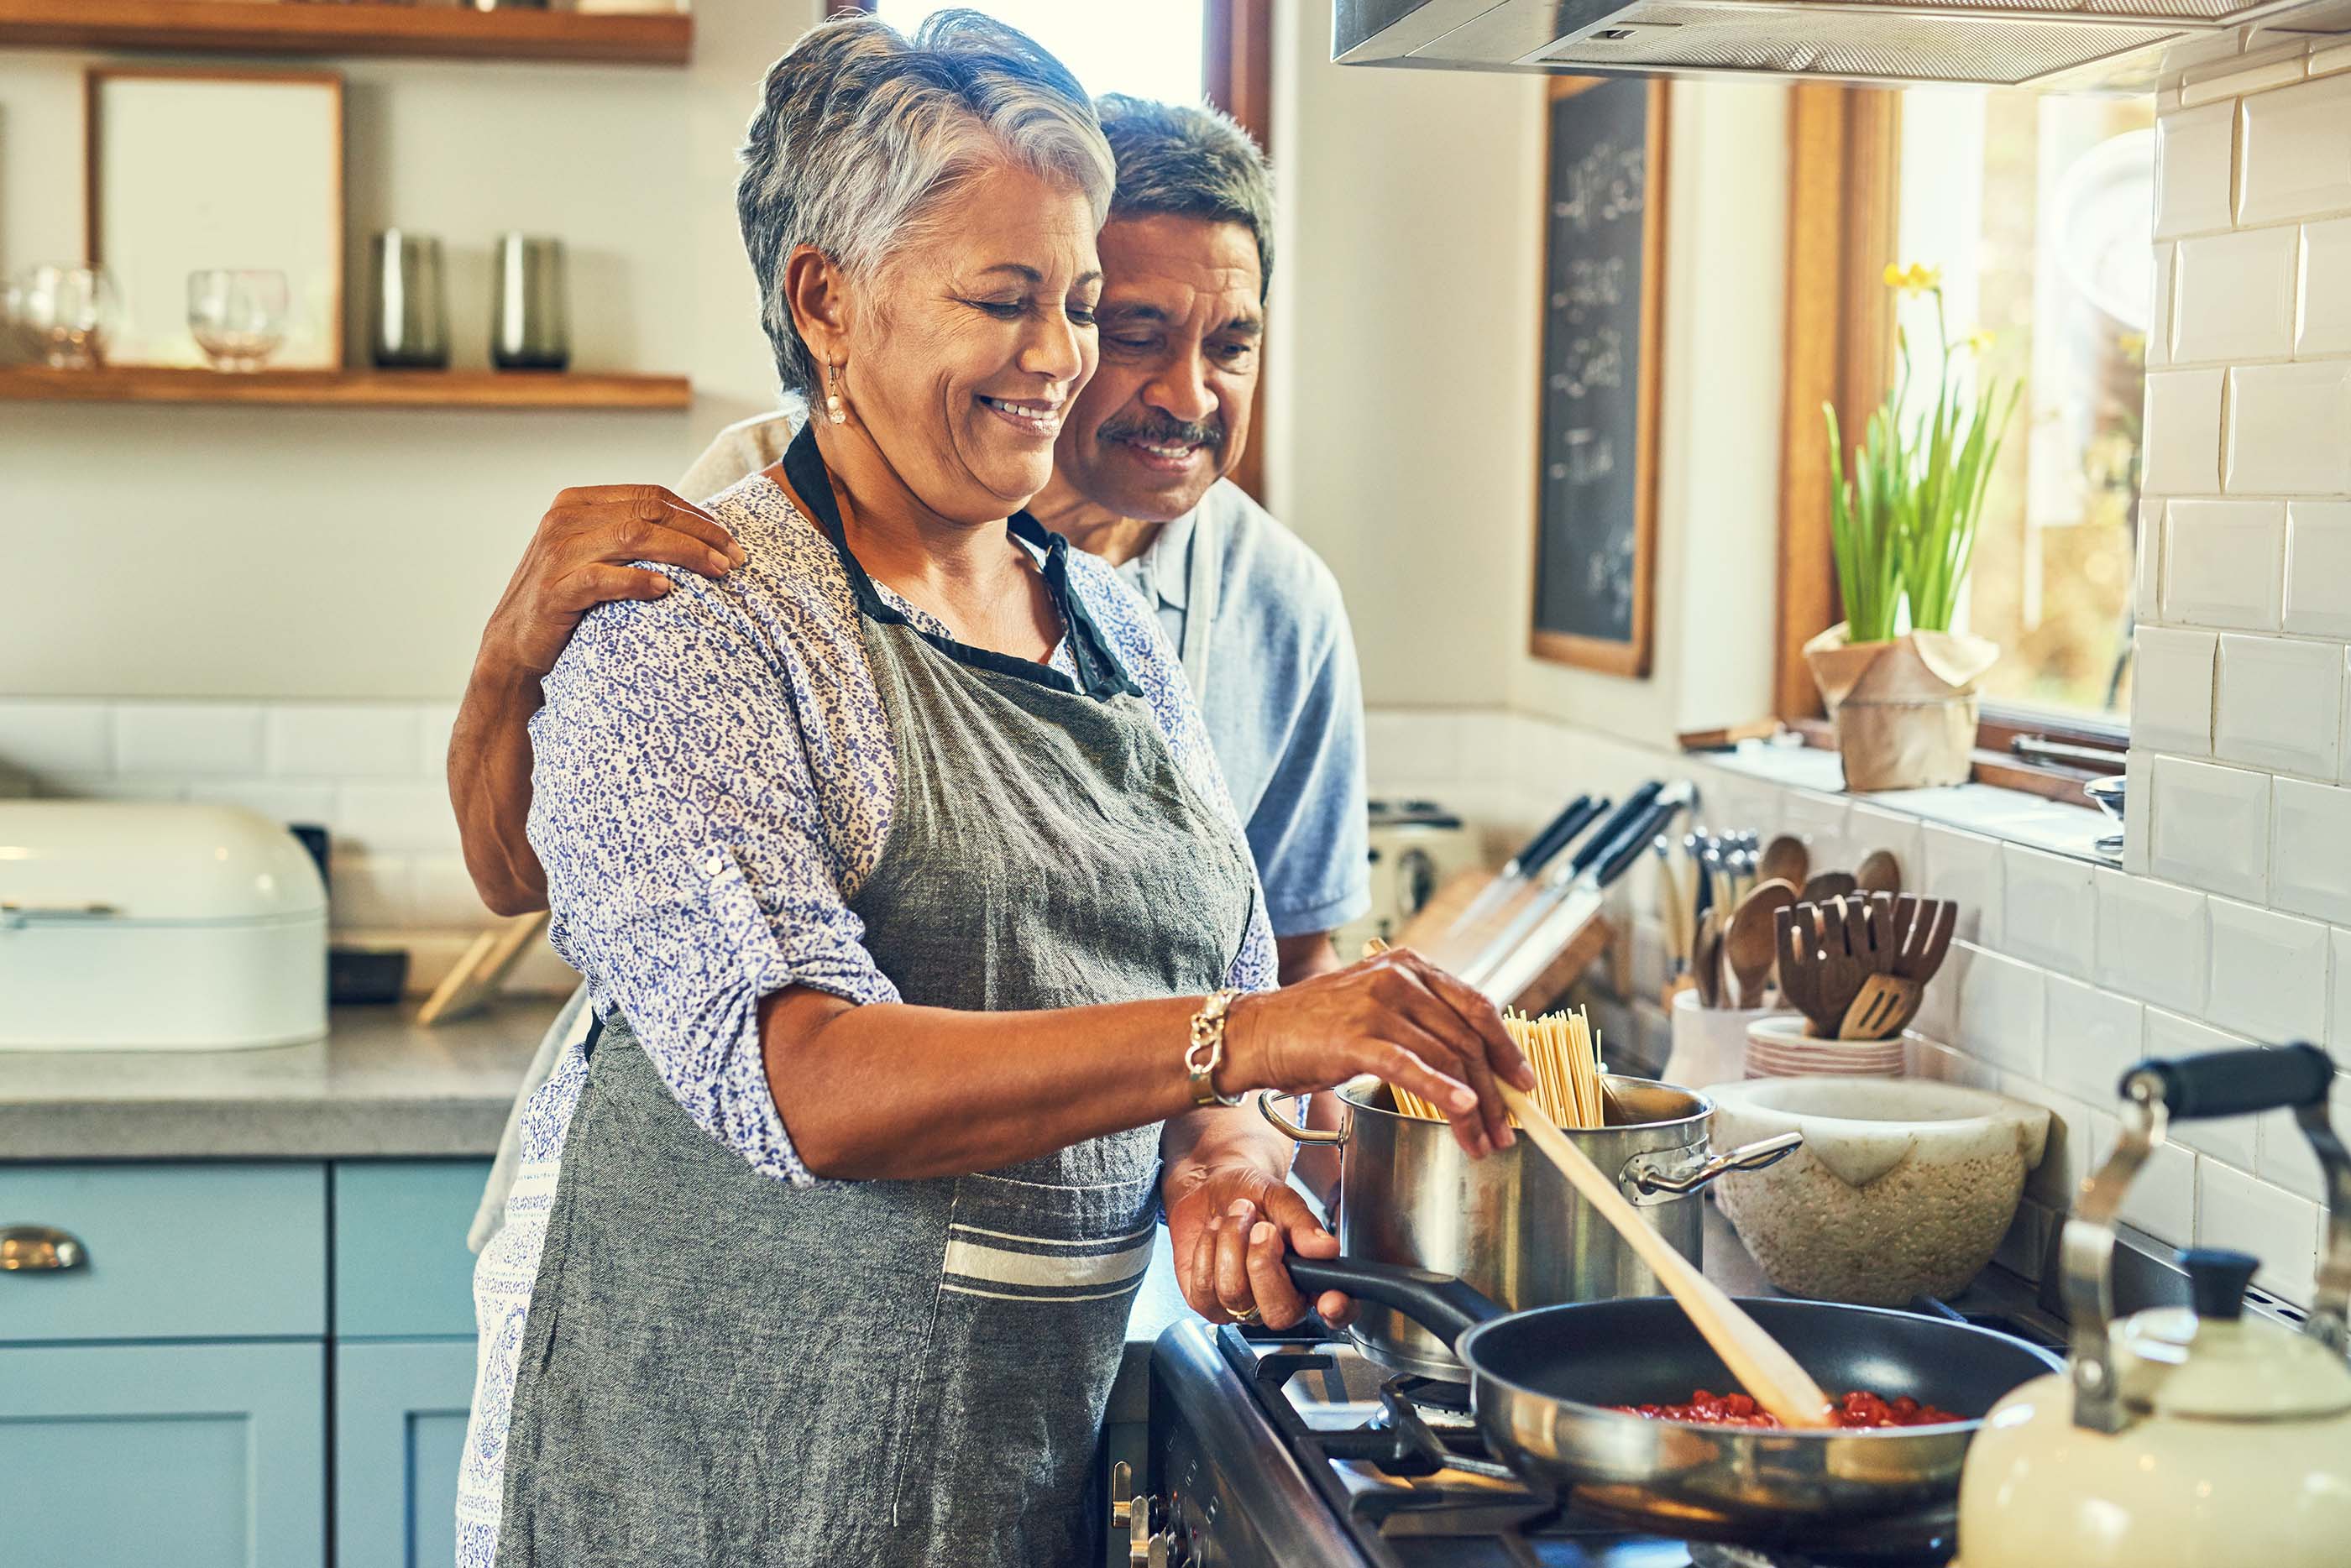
1915,278
1979,341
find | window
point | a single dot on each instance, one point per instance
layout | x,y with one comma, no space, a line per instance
2038,210
1149,51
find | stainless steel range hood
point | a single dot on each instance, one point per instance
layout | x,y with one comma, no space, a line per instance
2058,44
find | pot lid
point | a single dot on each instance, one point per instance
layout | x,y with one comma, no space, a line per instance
2211,1362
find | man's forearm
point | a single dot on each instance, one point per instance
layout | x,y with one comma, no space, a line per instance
489,786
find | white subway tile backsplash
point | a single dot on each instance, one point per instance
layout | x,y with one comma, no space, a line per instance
443,893
1869,829
2182,441
341,740
2278,704
2001,1013
2050,913
2162,1201
2318,569
2296,153
2286,1157
2223,563
1966,867
396,816
1408,749
2159,309
434,722
2212,826
2195,150
2310,849
2281,67
1923,1057
2233,1209
2327,62
38,735
2339,1034
1820,820
2068,1153
369,891
279,800
2171,691
2235,296
2269,974
2152,941
2093,1036
2138,812
2147,582
2323,300
190,740
2231,1138
2290,428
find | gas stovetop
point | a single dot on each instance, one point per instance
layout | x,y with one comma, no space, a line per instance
1294,1450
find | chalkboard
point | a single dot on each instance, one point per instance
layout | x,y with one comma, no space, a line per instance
1595,480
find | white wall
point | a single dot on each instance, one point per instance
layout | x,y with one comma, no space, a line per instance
227,552
1402,360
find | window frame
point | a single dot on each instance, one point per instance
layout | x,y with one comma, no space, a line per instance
1844,206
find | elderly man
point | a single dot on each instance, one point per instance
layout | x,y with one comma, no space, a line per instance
1138,480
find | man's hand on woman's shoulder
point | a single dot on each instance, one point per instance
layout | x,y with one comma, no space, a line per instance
579,557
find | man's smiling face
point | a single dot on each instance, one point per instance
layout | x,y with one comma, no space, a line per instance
1168,411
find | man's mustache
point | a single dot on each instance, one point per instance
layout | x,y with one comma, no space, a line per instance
1166,431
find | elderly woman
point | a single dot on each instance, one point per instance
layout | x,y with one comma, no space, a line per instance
918,925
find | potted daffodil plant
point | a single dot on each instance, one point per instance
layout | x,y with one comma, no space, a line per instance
1898,682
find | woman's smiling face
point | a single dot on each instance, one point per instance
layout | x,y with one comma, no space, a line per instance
963,355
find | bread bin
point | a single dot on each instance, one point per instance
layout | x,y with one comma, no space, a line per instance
154,926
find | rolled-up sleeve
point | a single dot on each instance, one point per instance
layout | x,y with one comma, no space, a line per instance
692,864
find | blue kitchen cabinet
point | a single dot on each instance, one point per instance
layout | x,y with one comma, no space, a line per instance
400,1429
195,1455
403,1328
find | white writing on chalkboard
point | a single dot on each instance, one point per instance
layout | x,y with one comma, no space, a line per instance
1592,359
1606,184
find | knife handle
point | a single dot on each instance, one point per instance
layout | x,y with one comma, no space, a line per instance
1628,845
1562,832
1591,848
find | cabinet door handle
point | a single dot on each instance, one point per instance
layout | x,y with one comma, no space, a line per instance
40,1248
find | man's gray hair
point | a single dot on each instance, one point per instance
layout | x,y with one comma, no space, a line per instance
1189,161
863,134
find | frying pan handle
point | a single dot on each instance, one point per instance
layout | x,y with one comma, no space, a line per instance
1440,1304
1299,1131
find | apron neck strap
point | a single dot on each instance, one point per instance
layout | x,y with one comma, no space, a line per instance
1099,673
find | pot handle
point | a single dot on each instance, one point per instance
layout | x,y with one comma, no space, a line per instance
1660,1177
1445,1306
1299,1131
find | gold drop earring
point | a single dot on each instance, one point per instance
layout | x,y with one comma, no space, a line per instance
833,407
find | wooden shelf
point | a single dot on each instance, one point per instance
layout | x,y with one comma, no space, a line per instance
346,388
291,27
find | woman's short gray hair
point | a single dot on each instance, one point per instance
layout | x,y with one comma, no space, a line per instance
862,134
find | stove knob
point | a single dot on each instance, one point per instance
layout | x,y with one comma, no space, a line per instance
1164,1550
1121,1492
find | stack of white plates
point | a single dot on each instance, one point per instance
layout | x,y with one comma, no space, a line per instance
1778,1048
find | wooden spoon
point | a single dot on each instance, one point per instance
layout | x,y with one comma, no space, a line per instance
1879,872
1786,860
1760,1361
1706,958
1750,946
1829,885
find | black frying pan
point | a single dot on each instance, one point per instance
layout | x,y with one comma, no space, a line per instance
1540,1381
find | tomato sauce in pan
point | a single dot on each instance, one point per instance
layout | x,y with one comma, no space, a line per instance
1857,1409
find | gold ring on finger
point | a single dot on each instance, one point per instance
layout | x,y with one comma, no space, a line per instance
1249,1316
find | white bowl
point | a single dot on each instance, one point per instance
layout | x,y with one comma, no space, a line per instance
1903,1186
1779,1047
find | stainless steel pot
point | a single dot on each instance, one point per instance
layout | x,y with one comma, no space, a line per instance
1510,1224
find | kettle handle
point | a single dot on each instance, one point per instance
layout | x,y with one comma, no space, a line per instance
2154,1094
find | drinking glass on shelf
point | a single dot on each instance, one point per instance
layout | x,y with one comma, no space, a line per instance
65,313
239,316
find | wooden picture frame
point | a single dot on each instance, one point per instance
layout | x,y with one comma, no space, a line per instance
177,180
1630,655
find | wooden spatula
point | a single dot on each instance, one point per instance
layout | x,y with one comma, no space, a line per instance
1760,1361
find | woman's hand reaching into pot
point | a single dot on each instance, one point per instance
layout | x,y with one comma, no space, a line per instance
1397,1016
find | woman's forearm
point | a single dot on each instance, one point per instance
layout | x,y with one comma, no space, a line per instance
891,1091
489,786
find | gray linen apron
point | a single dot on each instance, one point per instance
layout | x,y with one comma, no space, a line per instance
720,1368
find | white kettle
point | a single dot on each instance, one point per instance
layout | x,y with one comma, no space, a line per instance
2181,1438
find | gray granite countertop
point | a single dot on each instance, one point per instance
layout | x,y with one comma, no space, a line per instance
377,1085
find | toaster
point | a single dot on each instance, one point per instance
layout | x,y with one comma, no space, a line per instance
1416,847
138,926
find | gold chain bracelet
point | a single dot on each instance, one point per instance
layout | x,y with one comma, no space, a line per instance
1206,1052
